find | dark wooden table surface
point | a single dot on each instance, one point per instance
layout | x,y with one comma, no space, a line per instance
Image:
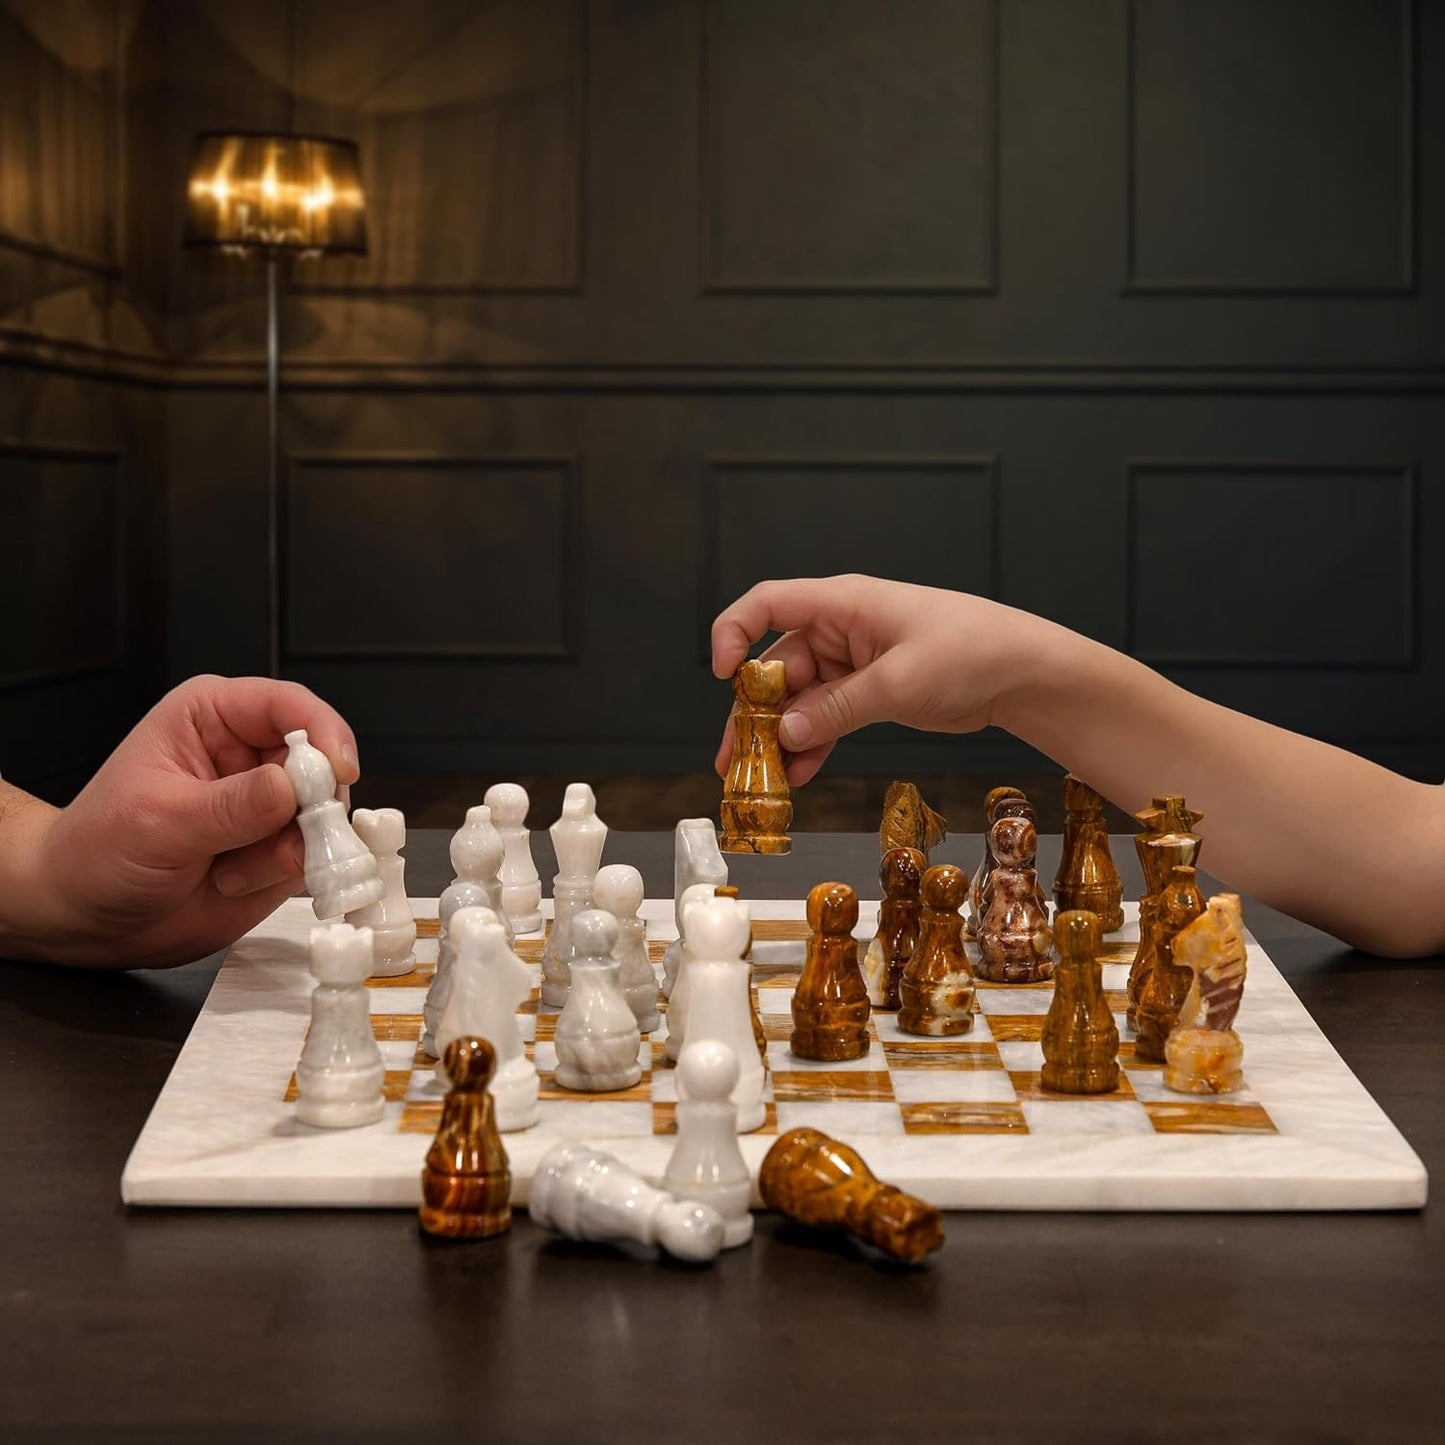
350,1326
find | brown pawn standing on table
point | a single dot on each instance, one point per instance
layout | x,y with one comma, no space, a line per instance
993,800
937,992
1087,877
1080,1038
1160,854
901,874
757,807
830,1004
1179,904
1014,942
466,1185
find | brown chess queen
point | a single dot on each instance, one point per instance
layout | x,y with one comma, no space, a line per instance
757,807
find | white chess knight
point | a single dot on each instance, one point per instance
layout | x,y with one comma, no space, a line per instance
706,1163
597,1038
617,890
719,1003
458,895
476,853
383,830
677,1005
578,837
585,1194
341,873
489,983
340,1074
521,886
696,858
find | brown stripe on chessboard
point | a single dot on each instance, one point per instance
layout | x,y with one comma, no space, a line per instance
854,1085
1029,1084
420,1116
664,1119
1045,986
419,977
1016,1028
394,1085
1212,1117
396,1028
529,950
1117,952
547,1024
944,1054
428,927
777,975
656,948
780,930
639,1093
963,1118
1128,1059
1117,999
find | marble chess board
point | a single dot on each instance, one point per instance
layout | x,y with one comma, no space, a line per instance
964,1122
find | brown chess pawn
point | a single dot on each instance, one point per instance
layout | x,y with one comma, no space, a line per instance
760,1038
1087,877
1080,1038
1178,905
1159,855
900,873
466,1186
757,808
908,822
936,992
830,1003
992,801
1014,942
825,1184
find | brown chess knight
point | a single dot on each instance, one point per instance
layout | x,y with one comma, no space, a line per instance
1203,1055
757,807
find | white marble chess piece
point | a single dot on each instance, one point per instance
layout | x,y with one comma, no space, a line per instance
521,886
719,1003
696,858
585,1194
597,1038
340,1074
578,837
340,870
476,853
456,896
489,984
706,1163
383,830
677,1004
617,890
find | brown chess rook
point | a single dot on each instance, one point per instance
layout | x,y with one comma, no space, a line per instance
1087,877
908,822
1159,854
1165,990
825,1184
830,1003
760,1037
757,807
993,800
1080,1038
937,989
1014,941
901,875
466,1186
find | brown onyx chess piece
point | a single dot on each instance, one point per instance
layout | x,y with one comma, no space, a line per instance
825,1184
1080,1038
1087,877
1159,854
1014,941
1178,905
757,808
760,1037
901,874
937,992
466,1186
1204,1055
993,800
908,822
830,1003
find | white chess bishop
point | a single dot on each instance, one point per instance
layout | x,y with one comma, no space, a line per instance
677,1005
458,895
521,886
719,1003
617,890
476,853
489,984
696,858
383,830
585,1194
340,1074
597,1038
341,873
578,838
706,1163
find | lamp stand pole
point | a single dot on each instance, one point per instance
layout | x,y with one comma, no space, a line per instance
273,473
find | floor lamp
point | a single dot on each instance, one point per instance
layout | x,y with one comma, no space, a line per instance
274,195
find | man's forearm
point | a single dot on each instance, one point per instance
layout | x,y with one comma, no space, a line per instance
24,821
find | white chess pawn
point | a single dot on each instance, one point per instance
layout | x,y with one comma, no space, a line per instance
340,1074
706,1163
585,1194
521,887
597,1037
489,983
578,837
677,1004
719,1002
340,870
383,830
617,890
696,858
476,854
456,896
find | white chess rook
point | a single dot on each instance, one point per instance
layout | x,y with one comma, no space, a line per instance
597,1038
677,1004
578,837
340,870
521,887
696,858
383,830
617,890
706,1163
340,1073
